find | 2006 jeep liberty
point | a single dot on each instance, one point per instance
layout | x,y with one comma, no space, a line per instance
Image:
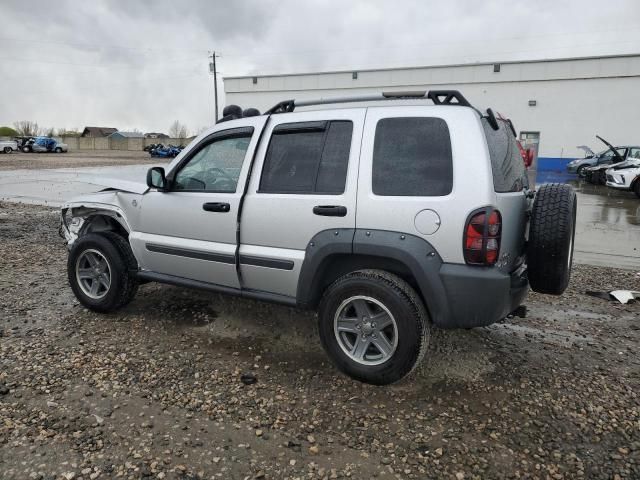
388,219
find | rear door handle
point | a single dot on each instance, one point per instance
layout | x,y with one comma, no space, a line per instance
330,210
216,207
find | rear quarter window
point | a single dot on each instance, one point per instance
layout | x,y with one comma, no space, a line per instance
509,172
412,157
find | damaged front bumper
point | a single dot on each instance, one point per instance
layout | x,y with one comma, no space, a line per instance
70,226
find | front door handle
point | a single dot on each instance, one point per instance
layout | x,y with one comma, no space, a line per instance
330,210
216,207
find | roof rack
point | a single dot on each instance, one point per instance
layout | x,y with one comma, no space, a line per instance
438,97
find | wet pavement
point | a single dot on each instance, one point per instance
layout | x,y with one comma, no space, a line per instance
608,227
53,187
607,231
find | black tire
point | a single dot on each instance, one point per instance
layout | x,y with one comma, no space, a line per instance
404,305
8,150
26,149
551,238
636,188
122,263
58,150
580,170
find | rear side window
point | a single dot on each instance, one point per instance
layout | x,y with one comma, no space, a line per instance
307,157
412,157
509,172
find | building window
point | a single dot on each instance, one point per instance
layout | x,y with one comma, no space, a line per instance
354,75
532,103
496,68
255,80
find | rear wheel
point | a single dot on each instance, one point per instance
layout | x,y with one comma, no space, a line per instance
551,236
373,326
58,150
101,271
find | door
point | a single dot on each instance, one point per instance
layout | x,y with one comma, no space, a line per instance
190,230
304,182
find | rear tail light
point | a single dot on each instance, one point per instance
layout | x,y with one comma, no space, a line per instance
481,242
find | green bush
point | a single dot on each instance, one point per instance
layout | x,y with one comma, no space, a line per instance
7,132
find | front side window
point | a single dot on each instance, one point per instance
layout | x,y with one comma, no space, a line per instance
308,157
412,157
215,167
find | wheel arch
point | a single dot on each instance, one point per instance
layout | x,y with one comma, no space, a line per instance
82,220
334,253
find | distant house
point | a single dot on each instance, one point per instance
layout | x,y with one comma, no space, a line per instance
155,135
96,132
126,135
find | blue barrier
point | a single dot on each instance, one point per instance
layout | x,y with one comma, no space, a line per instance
553,164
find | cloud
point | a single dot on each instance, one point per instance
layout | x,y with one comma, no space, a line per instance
144,64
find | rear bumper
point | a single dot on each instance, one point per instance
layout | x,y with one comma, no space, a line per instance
478,296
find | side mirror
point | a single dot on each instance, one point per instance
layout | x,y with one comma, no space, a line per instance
156,179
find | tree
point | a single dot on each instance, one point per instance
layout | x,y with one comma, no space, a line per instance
7,132
27,128
178,130
50,132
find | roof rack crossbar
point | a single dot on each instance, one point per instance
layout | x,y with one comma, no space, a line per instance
438,97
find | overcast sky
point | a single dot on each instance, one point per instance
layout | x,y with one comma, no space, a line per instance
142,64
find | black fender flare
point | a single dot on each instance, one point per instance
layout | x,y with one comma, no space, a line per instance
411,252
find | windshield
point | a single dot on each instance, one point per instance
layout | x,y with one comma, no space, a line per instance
608,153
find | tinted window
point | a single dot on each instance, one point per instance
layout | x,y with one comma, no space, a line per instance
412,157
509,172
215,167
310,157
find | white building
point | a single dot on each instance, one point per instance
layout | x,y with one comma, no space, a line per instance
559,103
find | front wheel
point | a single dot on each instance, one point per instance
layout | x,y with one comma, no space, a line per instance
7,150
58,150
373,326
580,171
101,270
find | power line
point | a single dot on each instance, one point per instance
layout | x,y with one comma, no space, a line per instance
100,46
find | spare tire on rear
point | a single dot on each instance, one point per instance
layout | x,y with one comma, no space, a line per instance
551,234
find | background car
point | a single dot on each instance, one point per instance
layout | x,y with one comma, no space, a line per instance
579,164
593,166
625,175
45,145
8,146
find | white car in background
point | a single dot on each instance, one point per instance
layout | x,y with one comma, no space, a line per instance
625,176
8,146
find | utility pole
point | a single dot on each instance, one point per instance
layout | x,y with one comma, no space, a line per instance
212,69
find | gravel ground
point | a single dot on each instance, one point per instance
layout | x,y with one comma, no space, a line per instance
155,390
75,158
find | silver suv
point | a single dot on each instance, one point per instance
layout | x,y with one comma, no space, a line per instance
387,219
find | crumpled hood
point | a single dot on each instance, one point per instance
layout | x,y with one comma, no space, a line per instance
107,196
130,186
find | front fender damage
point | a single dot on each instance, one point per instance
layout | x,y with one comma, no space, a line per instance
98,212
